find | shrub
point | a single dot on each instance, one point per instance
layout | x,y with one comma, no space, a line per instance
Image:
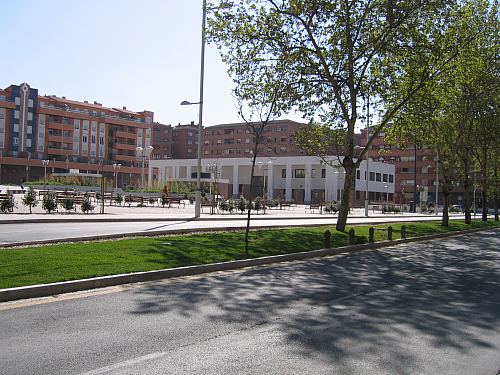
257,204
242,204
119,199
49,202
68,204
227,205
29,198
86,206
152,200
332,207
7,204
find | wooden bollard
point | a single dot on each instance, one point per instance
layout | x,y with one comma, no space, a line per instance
403,232
328,239
352,237
389,233
371,235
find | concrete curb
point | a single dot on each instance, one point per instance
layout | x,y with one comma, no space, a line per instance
45,290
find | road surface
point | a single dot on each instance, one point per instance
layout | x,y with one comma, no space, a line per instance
419,308
21,233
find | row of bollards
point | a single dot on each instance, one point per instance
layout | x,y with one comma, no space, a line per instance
371,235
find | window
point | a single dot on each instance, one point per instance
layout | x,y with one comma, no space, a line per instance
299,173
190,142
358,174
190,150
270,139
219,141
101,140
391,178
92,139
283,173
372,176
247,140
2,116
228,131
84,139
323,173
238,131
28,142
16,128
378,177
206,142
16,114
283,149
17,100
269,149
384,177
190,134
30,116
228,141
15,141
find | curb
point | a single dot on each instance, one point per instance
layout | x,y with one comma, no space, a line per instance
45,290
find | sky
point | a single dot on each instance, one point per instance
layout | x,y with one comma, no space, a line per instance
142,54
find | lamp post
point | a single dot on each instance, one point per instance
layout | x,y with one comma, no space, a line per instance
45,162
28,167
386,187
366,152
116,168
213,168
143,152
197,209
101,164
437,183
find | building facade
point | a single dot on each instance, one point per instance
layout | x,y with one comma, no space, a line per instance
69,134
303,179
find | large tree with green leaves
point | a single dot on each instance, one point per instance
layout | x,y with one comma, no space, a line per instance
337,51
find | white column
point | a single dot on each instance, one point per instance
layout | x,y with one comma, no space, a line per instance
288,182
270,182
330,184
236,185
307,183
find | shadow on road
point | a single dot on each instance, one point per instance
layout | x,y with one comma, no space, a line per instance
445,290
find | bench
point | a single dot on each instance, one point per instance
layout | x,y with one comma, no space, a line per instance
175,200
209,204
134,199
314,206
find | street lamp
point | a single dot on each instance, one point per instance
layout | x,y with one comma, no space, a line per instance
387,194
143,152
367,174
116,168
197,209
213,168
437,182
28,167
45,163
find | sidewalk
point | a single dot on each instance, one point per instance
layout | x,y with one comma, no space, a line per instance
154,213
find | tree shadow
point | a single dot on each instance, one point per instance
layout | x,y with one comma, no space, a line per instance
442,290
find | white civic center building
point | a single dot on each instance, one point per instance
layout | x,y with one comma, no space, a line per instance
303,179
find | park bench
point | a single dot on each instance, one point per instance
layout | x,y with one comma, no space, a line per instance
209,204
314,206
175,200
134,199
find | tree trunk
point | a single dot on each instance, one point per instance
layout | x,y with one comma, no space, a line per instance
445,220
247,230
346,199
467,198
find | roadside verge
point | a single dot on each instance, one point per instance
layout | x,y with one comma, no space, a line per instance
44,290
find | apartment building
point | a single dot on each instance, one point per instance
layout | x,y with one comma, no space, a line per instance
236,140
71,135
415,170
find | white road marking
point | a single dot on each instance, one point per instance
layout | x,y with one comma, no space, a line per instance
125,364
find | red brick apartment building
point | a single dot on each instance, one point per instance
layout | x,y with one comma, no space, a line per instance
68,135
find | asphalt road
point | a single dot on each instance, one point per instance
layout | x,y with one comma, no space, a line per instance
419,308
21,233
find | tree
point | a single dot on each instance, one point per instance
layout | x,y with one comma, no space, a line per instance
337,51
454,113
86,205
29,198
49,202
7,204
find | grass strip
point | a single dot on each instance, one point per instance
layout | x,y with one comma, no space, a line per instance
73,261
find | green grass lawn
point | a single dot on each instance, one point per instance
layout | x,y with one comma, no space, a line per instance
71,261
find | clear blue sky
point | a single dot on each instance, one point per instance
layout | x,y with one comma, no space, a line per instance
139,54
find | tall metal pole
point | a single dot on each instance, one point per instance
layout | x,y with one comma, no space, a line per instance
366,152
437,183
197,209
142,172
415,178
